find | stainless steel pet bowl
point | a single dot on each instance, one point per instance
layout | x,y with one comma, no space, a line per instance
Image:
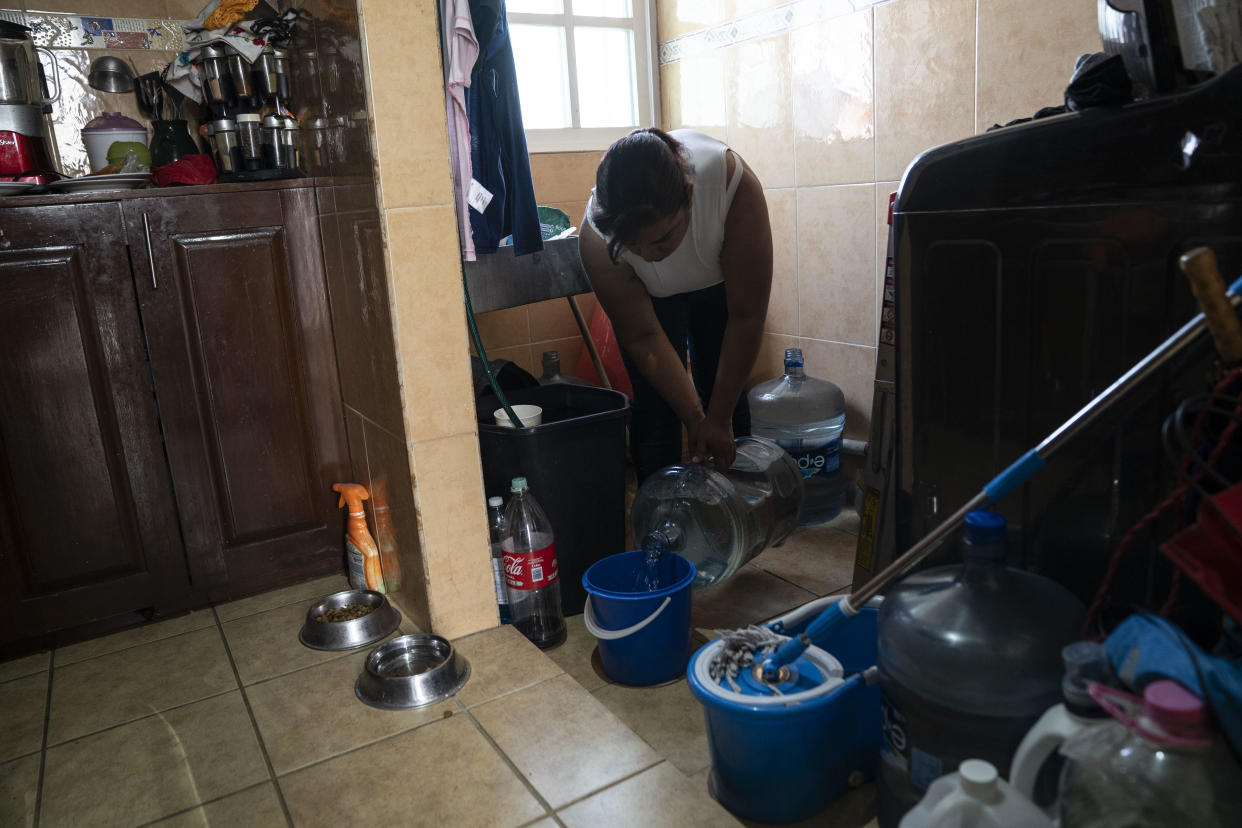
411,671
348,635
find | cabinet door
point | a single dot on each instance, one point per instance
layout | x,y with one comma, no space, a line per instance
235,308
88,528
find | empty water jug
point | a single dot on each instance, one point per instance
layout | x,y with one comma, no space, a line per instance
805,416
969,658
720,521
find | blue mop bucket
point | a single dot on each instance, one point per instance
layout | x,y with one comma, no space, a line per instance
644,636
788,763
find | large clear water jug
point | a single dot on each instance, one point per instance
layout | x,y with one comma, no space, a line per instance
720,521
805,416
969,658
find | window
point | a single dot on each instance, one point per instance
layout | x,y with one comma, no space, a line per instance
585,70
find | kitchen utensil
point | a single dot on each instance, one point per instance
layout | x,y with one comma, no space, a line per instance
19,68
1011,478
110,74
411,671
103,131
348,635
145,87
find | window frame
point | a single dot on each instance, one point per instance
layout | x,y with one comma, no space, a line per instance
646,77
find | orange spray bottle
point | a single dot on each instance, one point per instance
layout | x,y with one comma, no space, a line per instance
361,553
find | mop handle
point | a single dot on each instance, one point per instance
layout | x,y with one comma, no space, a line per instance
1001,485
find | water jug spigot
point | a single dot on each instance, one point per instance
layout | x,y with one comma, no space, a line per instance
658,542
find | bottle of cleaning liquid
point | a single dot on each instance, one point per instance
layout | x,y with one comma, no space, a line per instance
361,553
1085,661
974,796
497,528
805,416
969,659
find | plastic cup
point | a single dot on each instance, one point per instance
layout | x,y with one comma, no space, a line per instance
530,415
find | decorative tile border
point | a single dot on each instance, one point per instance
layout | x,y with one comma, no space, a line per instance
764,23
61,31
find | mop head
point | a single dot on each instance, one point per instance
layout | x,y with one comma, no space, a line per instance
739,652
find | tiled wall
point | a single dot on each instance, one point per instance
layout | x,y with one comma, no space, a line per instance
417,217
146,33
562,180
829,101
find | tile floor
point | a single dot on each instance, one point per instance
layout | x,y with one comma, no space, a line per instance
220,717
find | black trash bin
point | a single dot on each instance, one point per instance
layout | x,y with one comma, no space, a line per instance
575,464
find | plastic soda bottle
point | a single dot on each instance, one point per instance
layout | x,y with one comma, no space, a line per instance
497,529
530,569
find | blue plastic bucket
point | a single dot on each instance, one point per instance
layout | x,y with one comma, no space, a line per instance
644,636
788,763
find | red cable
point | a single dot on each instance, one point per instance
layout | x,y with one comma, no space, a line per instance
1174,498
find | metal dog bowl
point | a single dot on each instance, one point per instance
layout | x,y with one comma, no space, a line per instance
411,671
348,635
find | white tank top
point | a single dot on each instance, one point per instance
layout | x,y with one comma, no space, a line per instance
695,264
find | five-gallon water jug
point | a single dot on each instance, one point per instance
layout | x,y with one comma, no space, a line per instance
805,416
720,521
969,658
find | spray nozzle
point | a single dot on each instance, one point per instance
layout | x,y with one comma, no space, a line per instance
351,493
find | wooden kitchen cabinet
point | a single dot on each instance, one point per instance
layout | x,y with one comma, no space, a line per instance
235,310
88,525
170,410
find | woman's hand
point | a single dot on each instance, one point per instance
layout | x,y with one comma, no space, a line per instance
712,438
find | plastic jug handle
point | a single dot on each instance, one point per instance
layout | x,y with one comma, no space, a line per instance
1053,728
593,627
958,808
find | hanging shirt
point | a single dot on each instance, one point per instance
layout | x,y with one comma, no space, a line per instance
498,155
695,264
461,50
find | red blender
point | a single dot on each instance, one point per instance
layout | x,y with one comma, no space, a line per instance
24,139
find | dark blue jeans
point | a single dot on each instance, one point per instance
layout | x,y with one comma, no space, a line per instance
694,323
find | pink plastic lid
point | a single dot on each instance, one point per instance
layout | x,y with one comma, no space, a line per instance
1169,703
113,122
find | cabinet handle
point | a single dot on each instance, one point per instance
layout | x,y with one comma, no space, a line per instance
146,229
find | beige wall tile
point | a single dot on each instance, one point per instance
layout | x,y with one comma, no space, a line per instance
396,530
574,209
659,796
430,319
770,362
184,9
924,78
836,263
1027,53
520,355
761,108
833,100
504,328
19,790
563,176
569,349
449,480
402,42
553,319
783,300
679,17
741,8
852,368
103,8
694,93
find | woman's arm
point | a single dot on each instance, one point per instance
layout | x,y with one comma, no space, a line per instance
625,300
746,260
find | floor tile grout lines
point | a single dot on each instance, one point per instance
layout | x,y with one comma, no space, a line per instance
211,801
549,811
254,725
47,723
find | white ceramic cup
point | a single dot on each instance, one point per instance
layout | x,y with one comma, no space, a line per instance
530,415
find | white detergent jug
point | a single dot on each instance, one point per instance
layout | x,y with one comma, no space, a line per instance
1084,661
974,797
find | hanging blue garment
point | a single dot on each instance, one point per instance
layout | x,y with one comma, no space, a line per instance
498,155
1145,647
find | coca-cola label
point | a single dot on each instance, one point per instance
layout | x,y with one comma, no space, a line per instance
531,570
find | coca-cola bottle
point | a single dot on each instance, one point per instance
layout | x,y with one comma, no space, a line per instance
530,569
